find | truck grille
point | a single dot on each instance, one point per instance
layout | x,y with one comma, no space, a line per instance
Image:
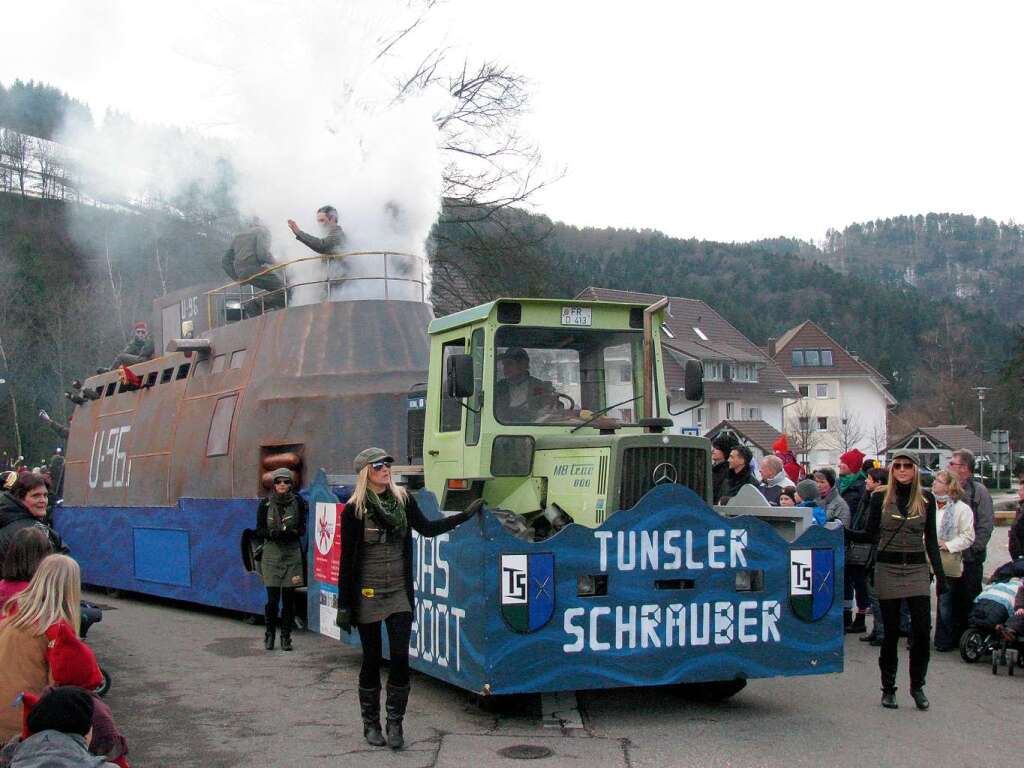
638,466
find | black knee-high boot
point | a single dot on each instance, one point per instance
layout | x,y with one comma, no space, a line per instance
369,707
398,698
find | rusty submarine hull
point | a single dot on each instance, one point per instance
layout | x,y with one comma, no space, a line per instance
163,476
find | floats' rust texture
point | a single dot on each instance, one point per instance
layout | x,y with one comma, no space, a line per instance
323,380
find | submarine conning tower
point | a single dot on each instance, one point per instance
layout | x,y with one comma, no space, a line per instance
247,380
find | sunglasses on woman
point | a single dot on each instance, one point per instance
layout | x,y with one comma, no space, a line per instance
282,481
902,465
379,465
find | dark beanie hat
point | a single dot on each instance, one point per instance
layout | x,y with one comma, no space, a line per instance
66,709
724,442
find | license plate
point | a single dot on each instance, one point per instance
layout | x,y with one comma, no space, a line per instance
576,316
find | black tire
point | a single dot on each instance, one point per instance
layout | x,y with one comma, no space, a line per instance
709,693
972,645
104,688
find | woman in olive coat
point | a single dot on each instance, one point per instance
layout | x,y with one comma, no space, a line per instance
281,522
375,584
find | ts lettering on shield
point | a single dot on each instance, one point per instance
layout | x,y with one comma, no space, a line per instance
527,591
811,582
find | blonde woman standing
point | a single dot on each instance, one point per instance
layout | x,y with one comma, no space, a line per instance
954,523
375,584
901,522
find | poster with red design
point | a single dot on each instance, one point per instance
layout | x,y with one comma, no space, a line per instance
327,537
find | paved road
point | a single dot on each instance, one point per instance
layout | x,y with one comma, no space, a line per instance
197,689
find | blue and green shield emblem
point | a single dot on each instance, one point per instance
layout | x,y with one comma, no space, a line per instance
527,589
811,582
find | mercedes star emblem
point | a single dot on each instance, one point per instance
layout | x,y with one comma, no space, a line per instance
664,473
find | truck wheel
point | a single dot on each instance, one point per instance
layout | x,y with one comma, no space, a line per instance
708,693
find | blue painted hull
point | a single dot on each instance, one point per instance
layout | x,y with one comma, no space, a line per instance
672,612
187,552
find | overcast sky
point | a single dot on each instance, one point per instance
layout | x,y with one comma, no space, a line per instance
721,120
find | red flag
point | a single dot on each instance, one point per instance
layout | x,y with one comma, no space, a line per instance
130,379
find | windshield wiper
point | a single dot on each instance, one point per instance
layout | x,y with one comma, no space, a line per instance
602,412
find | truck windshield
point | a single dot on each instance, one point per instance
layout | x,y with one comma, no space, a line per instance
565,376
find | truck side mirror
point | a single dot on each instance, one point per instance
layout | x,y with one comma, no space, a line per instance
458,380
694,380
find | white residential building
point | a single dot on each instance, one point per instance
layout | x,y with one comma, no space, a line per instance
843,401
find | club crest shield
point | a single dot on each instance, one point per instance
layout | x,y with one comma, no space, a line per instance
527,590
811,582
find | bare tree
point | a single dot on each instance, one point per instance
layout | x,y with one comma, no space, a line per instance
802,429
847,433
18,149
879,439
479,248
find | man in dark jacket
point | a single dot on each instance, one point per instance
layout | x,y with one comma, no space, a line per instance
720,448
1016,532
333,240
739,473
977,497
139,349
249,255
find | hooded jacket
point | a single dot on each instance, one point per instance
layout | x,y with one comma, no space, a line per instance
835,508
53,749
13,517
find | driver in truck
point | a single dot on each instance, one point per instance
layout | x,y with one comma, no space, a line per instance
518,396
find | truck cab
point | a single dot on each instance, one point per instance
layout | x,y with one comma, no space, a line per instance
554,410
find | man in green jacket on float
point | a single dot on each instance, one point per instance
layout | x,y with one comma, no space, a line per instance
248,256
139,349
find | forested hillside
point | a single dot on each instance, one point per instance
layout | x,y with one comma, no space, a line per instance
943,254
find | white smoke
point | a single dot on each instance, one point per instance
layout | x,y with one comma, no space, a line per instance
298,98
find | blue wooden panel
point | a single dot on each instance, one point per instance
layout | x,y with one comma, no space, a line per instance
163,556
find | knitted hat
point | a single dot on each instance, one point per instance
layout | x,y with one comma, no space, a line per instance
67,709
853,459
71,661
807,489
140,326
781,445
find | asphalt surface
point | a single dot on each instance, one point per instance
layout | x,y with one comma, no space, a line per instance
194,688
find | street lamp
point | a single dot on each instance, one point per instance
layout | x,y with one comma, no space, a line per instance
981,421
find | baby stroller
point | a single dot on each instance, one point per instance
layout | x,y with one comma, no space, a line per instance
991,609
93,614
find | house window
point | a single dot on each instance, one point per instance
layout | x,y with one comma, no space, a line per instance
700,333
822,391
823,423
826,357
712,370
730,410
811,358
798,358
805,423
803,390
743,372
753,413
700,416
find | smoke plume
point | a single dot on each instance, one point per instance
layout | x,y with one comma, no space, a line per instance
299,100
